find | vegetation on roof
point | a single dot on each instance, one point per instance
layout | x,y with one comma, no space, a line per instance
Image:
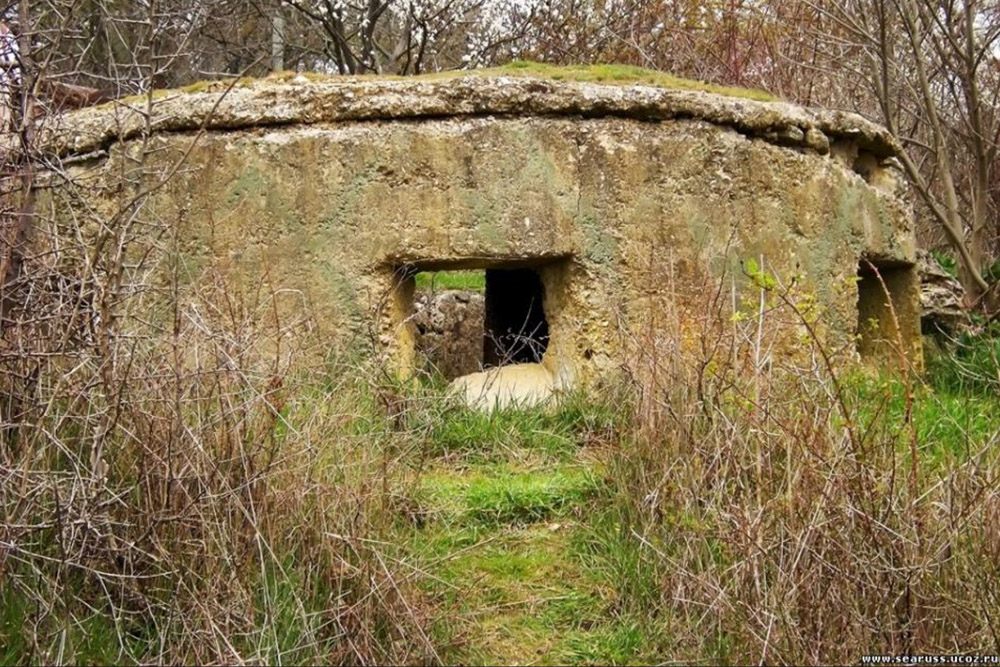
613,74
620,75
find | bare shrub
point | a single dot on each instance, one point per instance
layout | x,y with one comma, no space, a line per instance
203,498
180,480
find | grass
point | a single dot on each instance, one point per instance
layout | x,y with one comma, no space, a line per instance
530,598
947,423
504,502
92,636
242,558
457,433
972,366
705,507
549,536
745,484
496,494
472,281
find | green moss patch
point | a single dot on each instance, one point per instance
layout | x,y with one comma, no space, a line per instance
620,75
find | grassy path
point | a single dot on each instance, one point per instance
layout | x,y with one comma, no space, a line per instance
504,540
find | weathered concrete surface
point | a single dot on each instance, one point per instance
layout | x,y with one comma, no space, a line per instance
505,387
266,103
334,193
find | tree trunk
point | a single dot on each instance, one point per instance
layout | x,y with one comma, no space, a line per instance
18,226
278,41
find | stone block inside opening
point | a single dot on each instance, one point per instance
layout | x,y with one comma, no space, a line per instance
448,316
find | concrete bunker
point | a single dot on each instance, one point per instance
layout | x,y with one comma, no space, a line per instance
888,320
576,195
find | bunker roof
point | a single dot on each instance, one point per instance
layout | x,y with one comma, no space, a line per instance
296,99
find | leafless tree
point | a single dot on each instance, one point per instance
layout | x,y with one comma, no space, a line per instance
414,36
933,67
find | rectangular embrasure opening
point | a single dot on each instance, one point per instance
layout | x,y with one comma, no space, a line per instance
470,319
887,313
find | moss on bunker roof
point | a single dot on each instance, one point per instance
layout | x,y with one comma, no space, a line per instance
521,88
611,73
622,75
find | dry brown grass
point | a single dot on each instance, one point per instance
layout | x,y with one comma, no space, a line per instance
180,480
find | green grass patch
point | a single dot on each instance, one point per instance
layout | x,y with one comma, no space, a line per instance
495,495
948,425
558,432
618,642
513,596
609,549
78,634
489,435
972,368
541,593
527,497
470,281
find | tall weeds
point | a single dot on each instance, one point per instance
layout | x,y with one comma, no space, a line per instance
786,512
204,500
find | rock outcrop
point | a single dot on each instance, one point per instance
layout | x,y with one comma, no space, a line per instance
941,311
449,330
